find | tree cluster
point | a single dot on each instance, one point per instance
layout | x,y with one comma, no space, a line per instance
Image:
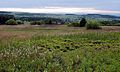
4,18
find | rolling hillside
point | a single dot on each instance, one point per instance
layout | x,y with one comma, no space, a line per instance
64,17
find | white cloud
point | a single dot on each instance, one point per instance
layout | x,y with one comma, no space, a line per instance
60,10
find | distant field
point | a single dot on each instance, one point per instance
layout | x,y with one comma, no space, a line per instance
28,30
58,48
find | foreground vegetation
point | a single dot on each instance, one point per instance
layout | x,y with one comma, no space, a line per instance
53,50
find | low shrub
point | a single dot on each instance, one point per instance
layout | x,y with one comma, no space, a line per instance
11,22
19,21
92,24
36,22
74,24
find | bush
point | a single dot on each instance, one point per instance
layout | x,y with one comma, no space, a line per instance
83,22
74,24
36,22
19,21
92,24
11,22
49,21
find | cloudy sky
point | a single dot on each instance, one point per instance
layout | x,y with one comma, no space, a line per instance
62,6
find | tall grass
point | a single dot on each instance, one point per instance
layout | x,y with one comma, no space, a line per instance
85,52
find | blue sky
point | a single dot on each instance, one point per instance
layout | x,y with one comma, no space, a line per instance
103,5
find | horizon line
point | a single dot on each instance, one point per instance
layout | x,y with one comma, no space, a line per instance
61,10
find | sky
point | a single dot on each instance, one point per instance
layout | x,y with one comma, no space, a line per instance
62,6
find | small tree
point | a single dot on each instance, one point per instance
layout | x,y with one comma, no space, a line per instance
11,22
50,21
83,22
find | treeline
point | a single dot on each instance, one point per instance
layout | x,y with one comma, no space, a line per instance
93,24
89,24
5,17
38,19
11,20
102,23
110,23
41,20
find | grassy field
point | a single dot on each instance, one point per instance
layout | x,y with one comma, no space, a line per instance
59,49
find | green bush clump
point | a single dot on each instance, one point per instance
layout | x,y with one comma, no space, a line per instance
11,22
74,24
92,24
19,21
36,22
82,23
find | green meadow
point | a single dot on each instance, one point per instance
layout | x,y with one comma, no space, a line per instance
59,49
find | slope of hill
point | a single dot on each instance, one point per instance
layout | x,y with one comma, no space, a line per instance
64,17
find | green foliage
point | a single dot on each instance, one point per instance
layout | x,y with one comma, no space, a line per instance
83,22
67,23
93,24
110,23
5,17
19,21
36,22
11,22
49,21
74,24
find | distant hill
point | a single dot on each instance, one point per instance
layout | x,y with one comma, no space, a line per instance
102,17
2,12
64,17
